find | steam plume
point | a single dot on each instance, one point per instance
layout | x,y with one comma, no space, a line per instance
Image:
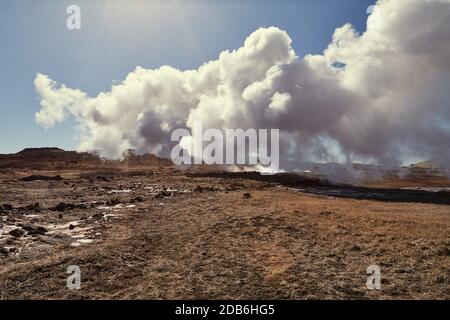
381,97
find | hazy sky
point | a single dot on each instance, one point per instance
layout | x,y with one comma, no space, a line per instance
116,36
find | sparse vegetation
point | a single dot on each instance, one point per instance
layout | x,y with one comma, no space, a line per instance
208,240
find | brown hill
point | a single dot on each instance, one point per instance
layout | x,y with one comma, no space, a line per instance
55,158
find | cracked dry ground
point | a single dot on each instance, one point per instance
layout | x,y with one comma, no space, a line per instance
163,235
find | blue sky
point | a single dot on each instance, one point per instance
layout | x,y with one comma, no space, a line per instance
116,36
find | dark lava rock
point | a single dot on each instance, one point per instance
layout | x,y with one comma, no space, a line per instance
61,207
445,252
7,206
201,189
32,207
34,230
98,216
10,241
113,202
247,195
103,178
10,219
17,233
71,227
42,178
137,199
3,252
97,203
163,194
60,216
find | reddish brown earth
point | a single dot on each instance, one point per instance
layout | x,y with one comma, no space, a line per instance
143,229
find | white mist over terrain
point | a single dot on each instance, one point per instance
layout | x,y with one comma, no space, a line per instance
379,97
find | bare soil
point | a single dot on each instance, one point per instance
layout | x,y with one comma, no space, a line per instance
141,231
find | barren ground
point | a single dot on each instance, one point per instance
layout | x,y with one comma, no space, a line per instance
157,233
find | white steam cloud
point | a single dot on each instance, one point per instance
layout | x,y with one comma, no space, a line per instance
382,96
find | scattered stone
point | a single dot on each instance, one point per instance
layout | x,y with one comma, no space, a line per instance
10,219
7,206
97,216
113,202
442,279
247,195
10,241
42,178
163,194
326,213
103,178
61,207
34,230
71,227
137,199
17,233
60,216
3,252
33,207
201,189
355,248
445,252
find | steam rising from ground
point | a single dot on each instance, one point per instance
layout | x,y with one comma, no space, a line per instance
381,97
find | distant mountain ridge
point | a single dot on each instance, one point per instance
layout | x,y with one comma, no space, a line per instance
56,158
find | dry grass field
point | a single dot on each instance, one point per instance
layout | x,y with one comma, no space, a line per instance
149,231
